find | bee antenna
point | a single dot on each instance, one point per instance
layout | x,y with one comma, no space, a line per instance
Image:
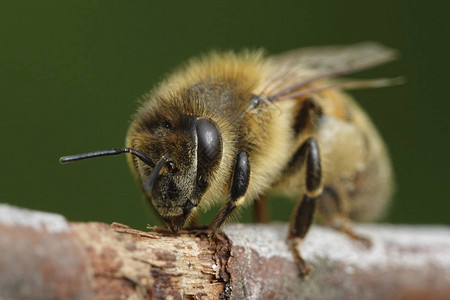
140,155
155,173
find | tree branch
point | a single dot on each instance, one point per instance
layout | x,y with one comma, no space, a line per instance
43,256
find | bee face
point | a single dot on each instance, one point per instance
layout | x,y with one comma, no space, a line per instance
191,147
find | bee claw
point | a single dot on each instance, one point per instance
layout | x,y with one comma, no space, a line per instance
216,237
346,229
304,269
213,235
364,240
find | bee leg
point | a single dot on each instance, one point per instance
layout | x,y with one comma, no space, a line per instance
194,222
332,209
303,214
239,185
260,209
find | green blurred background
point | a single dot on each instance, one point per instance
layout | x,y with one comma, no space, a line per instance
72,71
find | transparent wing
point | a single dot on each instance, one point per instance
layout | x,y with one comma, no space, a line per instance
295,72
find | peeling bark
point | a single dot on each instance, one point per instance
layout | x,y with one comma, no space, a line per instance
43,256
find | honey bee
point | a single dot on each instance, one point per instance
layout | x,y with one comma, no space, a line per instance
231,126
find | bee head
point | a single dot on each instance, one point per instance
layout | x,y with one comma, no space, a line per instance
188,151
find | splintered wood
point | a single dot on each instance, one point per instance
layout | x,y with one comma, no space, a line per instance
158,265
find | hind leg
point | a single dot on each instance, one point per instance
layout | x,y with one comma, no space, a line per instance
333,210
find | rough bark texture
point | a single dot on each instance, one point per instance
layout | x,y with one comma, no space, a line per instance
44,257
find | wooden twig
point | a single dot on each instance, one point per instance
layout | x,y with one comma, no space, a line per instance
45,257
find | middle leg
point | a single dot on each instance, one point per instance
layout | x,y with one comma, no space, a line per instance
304,212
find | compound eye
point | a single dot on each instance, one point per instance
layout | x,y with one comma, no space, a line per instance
209,141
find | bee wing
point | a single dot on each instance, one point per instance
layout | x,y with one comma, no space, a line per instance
291,73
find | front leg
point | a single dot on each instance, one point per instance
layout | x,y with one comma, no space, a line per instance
239,185
303,215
